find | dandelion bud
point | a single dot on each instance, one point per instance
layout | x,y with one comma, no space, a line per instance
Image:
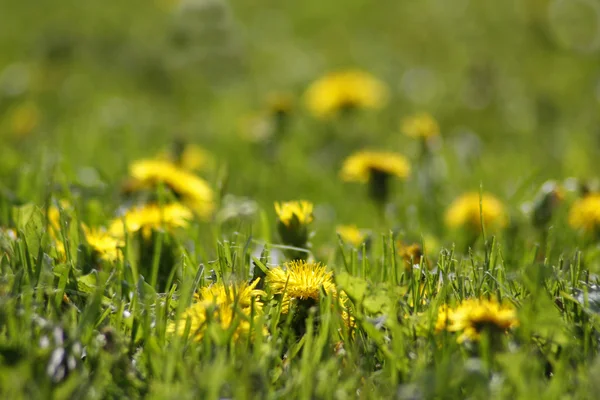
293,220
549,198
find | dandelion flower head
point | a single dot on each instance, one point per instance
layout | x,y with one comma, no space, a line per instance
468,210
223,304
585,213
243,294
411,253
194,158
300,280
106,245
152,217
301,211
420,125
191,188
351,89
359,166
351,234
473,316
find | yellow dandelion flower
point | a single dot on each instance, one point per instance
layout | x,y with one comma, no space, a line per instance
444,318
54,222
106,245
24,119
420,125
360,166
467,211
300,280
152,217
61,251
290,211
351,234
585,213
473,316
190,157
241,293
224,305
293,220
351,89
194,158
349,320
193,190
411,253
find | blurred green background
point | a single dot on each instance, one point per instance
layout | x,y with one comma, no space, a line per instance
515,86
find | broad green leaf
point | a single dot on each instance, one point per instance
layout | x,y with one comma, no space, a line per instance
30,222
87,283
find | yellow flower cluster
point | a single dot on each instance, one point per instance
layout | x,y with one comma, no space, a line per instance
474,316
106,243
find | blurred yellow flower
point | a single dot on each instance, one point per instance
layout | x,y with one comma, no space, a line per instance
420,125
224,305
473,316
290,211
102,242
152,217
360,166
300,280
585,213
468,209
54,222
351,234
194,158
350,89
411,253
190,157
194,191
240,292
24,118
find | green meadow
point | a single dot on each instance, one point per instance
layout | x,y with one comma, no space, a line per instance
346,199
